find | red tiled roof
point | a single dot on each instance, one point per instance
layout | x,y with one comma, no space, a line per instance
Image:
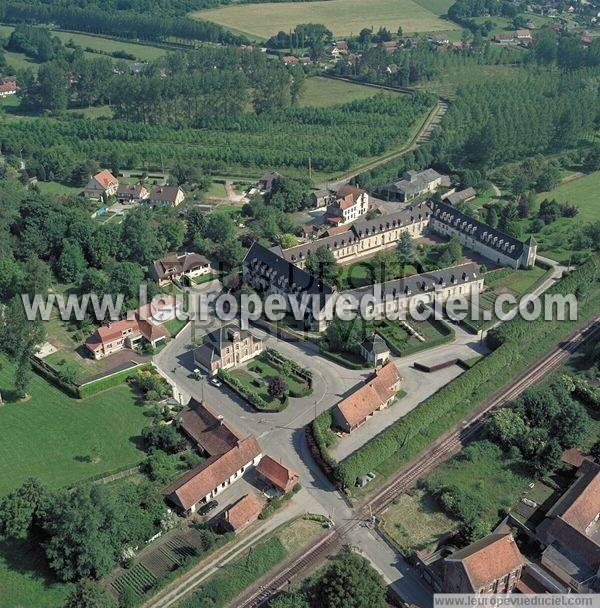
242,512
112,331
203,479
489,559
8,86
347,190
580,505
375,392
106,179
279,475
204,425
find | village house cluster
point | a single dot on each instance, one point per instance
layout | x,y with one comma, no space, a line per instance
104,185
229,457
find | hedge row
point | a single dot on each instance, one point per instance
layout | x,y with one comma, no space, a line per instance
278,358
91,388
277,502
324,437
251,397
518,343
340,359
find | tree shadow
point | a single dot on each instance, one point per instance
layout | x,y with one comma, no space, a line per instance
27,557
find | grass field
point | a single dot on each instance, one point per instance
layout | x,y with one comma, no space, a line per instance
437,7
324,92
416,522
582,192
342,17
142,52
57,189
25,579
490,479
51,436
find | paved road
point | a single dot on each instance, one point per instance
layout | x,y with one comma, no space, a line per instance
282,434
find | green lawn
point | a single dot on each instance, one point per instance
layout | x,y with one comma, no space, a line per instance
518,282
142,52
402,343
358,274
322,92
554,238
25,580
416,522
437,7
490,478
51,436
342,17
57,189
267,369
174,326
216,190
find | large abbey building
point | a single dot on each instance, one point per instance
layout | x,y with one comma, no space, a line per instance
366,237
282,271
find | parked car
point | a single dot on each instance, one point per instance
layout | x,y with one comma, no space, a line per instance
208,507
216,382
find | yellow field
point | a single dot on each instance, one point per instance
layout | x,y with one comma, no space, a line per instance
342,17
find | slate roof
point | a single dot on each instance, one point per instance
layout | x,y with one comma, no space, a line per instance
462,195
414,182
214,341
424,282
492,237
174,265
360,229
489,559
375,344
379,388
285,275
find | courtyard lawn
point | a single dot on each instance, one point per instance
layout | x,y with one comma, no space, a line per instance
266,369
505,281
62,441
322,92
342,17
416,523
402,342
358,274
174,326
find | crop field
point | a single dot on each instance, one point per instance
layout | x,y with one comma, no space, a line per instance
142,52
326,92
342,17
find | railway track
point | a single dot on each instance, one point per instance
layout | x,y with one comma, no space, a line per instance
439,452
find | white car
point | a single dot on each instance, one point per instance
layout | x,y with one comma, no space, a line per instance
216,382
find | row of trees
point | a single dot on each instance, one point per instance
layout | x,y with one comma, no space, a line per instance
285,137
152,25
